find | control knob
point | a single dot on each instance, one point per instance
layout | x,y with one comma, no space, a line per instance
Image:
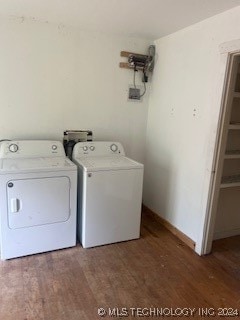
85,148
92,148
54,147
114,147
13,147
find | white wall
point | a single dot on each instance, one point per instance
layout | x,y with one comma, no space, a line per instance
182,121
54,78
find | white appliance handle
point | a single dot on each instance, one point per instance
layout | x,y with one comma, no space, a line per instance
14,205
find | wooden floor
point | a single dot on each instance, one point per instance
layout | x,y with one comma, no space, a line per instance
154,271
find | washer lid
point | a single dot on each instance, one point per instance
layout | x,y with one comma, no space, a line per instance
108,163
35,165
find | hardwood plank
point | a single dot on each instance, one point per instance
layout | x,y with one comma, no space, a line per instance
156,270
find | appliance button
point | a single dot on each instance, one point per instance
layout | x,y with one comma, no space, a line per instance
92,148
85,148
13,147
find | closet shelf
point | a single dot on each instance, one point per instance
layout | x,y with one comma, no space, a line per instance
232,154
234,126
236,94
230,181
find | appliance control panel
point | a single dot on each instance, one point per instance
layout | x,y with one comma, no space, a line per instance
31,149
97,148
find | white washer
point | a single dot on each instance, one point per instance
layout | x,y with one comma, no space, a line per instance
109,193
38,190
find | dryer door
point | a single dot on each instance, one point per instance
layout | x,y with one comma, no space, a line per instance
33,202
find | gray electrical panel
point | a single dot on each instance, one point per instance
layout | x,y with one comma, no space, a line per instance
134,94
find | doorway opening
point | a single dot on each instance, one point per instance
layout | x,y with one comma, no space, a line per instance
223,214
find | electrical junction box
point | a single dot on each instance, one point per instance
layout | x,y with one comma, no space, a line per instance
134,94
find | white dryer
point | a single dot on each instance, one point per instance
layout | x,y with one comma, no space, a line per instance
109,193
38,195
